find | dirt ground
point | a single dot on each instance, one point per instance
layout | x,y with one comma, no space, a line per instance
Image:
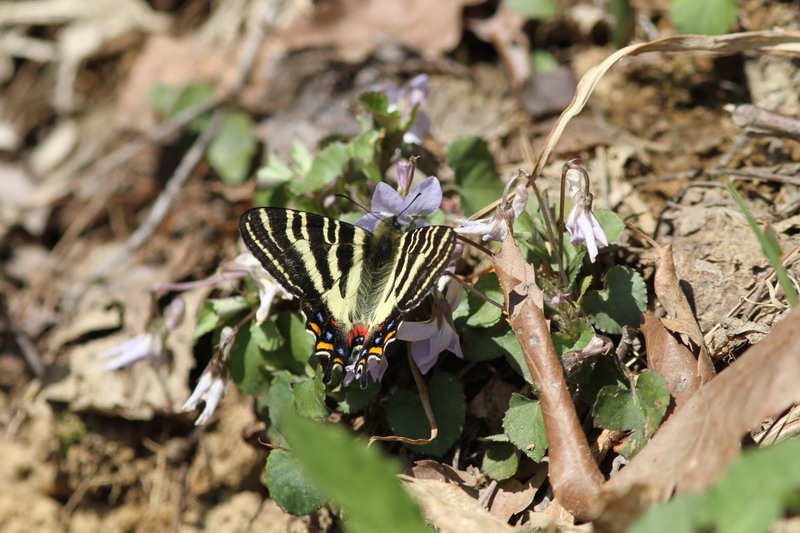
84,159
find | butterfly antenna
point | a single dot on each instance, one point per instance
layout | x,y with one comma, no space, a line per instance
409,205
349,199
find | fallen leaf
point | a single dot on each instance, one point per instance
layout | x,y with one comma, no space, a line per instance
450,509
430,469
695,445
682,319
673,360
356,28
513,497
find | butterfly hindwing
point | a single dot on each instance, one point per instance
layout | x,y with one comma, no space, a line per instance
423,255
331,343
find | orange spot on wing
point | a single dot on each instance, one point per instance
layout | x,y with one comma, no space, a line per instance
325,346
315,328
377,350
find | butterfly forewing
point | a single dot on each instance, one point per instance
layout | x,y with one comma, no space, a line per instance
307,254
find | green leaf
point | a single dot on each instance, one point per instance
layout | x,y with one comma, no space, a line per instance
290,486
678,516
246,360
581,332
301,157
623,22
524,425
482,314
170,101
762,486
543,61
485,344
375,102
364,150
770,246
214,312
639,409
620,303
309,397
611,223
756,489
356,398
164,98
327,166
275,173
476,177
407,418
292,354
358,478
280,399
500,461
711,17
231,150
534,9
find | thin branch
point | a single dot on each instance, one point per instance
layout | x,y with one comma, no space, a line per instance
475,291
156,214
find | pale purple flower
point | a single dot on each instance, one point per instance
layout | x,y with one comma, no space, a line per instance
268,288
596,345
581,222
210,388
413,94
405,174
424,199
375,367
495,227
213,383
174,313
148,345
430,338
560,298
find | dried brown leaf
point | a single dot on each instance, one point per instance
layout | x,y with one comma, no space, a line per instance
695,445
671,359
682,319
430,469
512,497
450,509
574,475
356,28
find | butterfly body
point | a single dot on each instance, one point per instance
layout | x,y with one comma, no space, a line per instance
355,285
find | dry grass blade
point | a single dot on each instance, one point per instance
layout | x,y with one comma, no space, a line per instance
769,40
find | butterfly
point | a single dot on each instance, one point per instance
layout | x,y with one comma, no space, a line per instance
354,285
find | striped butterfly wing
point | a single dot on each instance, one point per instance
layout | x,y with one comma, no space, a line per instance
318,260
421,259
307,254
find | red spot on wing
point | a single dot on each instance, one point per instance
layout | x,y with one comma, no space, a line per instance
359,330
